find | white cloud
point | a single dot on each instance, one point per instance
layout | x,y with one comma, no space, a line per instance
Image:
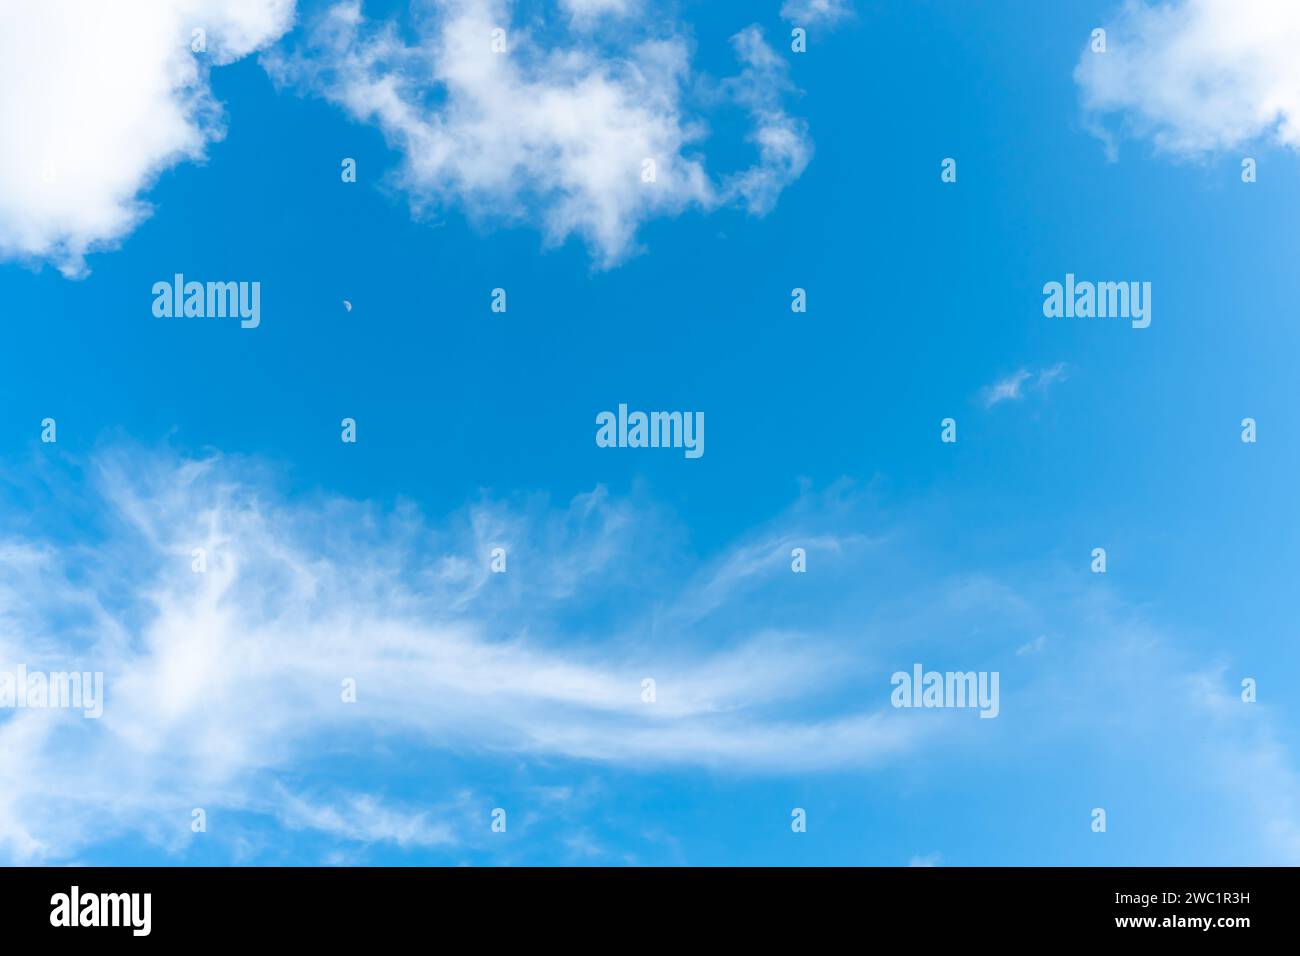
1198,76
1007,389
784,149
1032,647
214,680
222,689
1013,387
557,136
101,98
592,10
803,12
364,818
1051,375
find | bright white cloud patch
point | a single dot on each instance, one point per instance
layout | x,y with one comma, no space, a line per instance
588,10
583,141
804,12
1198,75
98,98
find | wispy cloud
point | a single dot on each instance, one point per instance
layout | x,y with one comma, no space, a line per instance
364,818
805,12
1032,647
215,678
1018,384
590,11
1007,389
223,687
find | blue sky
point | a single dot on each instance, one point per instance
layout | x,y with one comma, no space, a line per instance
818,170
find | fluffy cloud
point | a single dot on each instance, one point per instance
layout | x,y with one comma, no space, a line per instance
782,140
102,98
1197,75
556,135
111,97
